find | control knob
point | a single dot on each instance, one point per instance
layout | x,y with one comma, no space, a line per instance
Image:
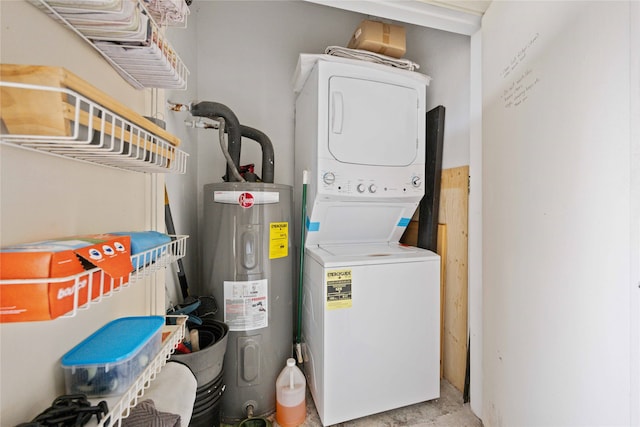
373,188
329,178
360,188
416,181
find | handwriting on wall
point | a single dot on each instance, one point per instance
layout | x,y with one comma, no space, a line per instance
519,82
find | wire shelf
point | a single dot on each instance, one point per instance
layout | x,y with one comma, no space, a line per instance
96,282
88,132
142,56
120,406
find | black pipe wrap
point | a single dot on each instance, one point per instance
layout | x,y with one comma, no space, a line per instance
268,161
213,110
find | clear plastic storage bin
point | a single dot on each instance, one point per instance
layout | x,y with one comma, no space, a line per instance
109,360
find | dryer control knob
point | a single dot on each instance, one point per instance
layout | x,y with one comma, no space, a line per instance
373,188
329,178
416,181
360,188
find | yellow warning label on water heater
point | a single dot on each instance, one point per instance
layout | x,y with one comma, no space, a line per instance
278,240
338,289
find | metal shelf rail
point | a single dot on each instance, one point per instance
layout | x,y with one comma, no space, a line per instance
120,406
148,262
98,135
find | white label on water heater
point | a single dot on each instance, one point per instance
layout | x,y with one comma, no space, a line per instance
234,197
246,305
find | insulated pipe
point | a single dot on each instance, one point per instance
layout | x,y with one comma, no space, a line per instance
268,158
268,162
212,110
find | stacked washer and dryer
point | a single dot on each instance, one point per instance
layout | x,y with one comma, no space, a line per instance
370,305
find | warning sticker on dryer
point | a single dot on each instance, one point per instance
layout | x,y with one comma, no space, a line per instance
338,284
246,305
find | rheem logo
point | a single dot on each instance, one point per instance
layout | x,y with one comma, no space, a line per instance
246,200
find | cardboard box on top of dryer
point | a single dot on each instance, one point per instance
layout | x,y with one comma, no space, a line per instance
60,258
379,37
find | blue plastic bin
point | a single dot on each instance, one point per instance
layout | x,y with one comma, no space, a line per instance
108,361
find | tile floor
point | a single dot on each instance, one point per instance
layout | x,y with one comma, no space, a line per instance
447,411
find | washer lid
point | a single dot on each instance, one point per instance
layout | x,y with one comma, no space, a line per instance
362,254
336,222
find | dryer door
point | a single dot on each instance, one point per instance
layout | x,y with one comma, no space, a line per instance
372,122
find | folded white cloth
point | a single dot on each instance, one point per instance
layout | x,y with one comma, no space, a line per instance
174,391
366,55
306,62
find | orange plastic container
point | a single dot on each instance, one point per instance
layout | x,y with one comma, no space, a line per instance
291,409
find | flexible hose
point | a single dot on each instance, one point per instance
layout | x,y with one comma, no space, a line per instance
225,151
215,110
235,131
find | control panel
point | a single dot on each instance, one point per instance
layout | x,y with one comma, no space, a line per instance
384,183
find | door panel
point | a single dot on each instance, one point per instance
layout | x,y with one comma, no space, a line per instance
372,123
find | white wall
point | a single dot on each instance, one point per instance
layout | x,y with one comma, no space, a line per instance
475,229
446,58
559,210
634,48
181,189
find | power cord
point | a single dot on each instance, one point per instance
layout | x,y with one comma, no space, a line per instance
71,410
